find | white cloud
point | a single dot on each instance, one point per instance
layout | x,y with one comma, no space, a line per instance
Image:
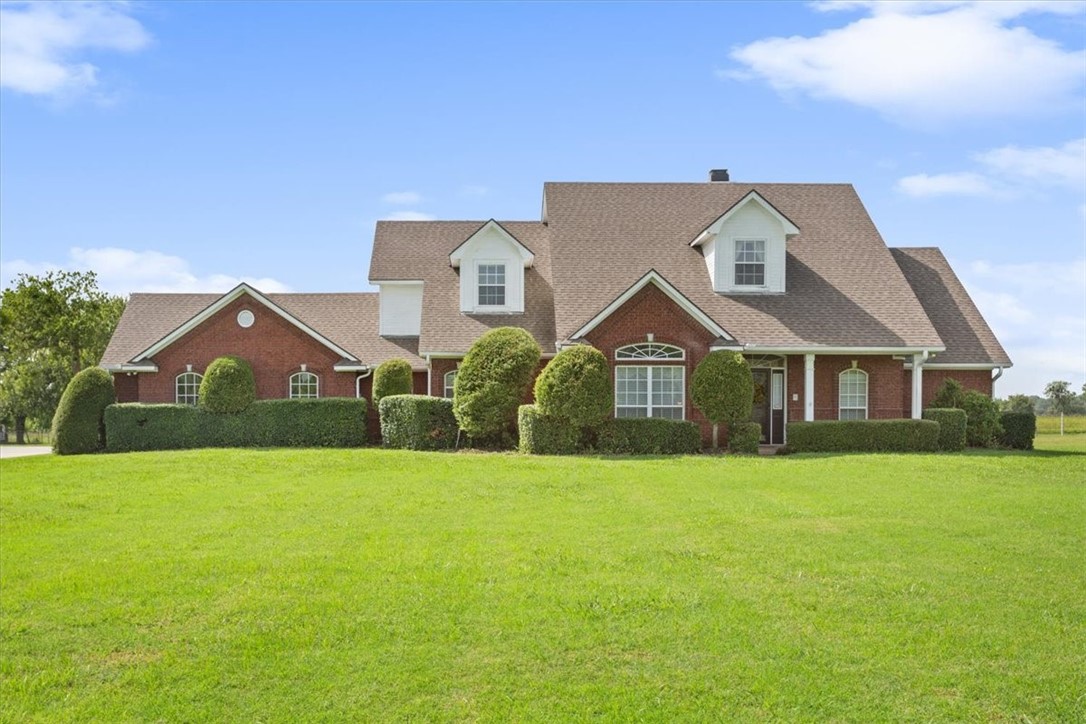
943,184
123,271
1065,165
408,216
40,44
402,197
925,62
1036,311
474,190
1006,172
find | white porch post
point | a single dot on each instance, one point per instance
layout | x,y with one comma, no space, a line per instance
808,387
918,384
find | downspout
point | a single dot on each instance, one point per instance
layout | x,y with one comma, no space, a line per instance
429,377
358,381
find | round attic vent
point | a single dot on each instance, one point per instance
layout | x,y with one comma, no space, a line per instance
245,318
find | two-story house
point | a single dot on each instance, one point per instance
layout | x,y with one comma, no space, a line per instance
835,324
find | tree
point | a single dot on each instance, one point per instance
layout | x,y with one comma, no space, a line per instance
723,389
51,327
1018,403
1059,392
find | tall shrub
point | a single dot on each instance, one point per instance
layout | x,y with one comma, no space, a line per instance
228,385
575,387
722,387
492,382
949,394
392,377
78,425
982,426
1019,429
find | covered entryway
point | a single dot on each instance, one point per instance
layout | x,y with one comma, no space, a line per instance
768,372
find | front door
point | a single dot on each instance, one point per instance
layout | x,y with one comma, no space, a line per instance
769,404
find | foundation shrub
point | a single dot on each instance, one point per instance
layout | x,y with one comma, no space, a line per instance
1019,429
542,434
952,423
744,437
392,377
648,436
228,385
864,436
78,425
417,422
491,383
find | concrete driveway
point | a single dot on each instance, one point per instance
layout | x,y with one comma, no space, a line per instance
18,451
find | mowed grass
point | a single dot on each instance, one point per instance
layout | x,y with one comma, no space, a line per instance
375,585
1072,424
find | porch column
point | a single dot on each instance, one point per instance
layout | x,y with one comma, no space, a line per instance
918,385
808,387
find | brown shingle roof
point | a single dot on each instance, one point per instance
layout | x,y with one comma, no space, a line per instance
969,339
349,320
414,250
843,287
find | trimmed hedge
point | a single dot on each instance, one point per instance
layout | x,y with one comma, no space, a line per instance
952,423
417,422
722,387
1019,429
864,436
228,385
327,422
576,386
744,437
648,436
78,426
392,377
492,382
545,435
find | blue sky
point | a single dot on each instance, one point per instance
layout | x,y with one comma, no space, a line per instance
186,146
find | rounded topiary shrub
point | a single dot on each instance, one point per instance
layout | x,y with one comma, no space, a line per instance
575,387
78,425
492,382
722,387
228,385
392,377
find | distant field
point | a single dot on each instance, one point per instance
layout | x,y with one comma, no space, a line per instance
1071,424
370,584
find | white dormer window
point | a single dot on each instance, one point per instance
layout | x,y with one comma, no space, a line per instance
750,262
491,284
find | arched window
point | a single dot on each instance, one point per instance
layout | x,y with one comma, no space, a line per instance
187,388
304,385
650,351
450,380
852,395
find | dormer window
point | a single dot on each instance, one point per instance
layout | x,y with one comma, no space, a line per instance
750,262
491,284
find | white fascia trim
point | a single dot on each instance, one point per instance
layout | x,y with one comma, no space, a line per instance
125,367
753,348
225,299
350,367
713,229
653,277
526,255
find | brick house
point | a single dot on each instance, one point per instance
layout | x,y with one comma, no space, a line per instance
835,324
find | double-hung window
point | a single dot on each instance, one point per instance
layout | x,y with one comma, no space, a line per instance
653,390
491,284
852,395
750,262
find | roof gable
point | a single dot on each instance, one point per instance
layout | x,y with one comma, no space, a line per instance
209,311
526,255
753,197
653,277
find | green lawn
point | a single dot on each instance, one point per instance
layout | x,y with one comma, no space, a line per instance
1072,424
370,584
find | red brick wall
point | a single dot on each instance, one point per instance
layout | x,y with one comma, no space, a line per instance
274,347
979,380
126,387
438,369
652,311
887,386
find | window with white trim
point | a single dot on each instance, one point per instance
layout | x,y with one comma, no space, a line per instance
450,382
852,395
187,388
304,385
490,280
649,350
650,391
750,262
